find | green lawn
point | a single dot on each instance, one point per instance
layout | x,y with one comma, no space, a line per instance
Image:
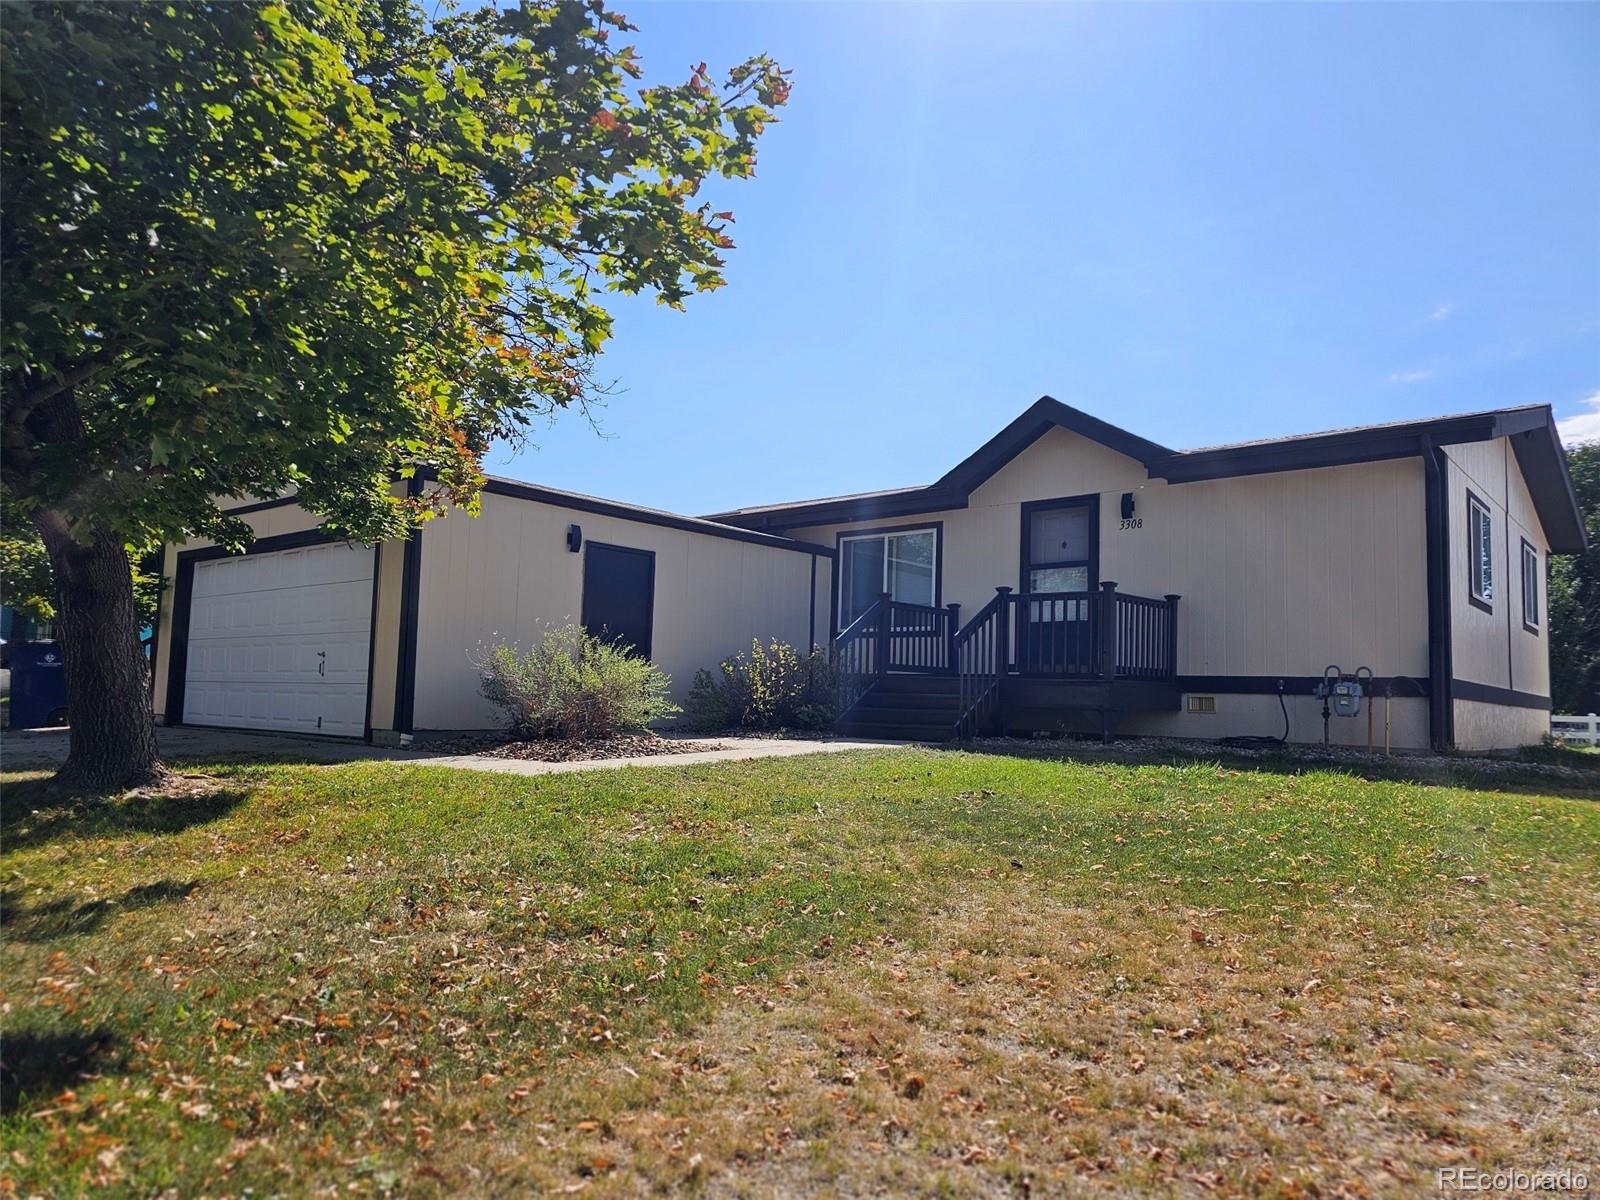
925,971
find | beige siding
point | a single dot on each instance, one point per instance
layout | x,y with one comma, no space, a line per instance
1482,726
1494,648
1260,716
291,518
1279,574
506,576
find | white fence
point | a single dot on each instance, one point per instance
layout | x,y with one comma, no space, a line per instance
1581,731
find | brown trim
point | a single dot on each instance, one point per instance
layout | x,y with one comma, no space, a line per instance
183,597
372,639
1441,616
1403,686
1522,586
1043,415
648,649
1475,569
842,535
644,516
261,506
1531,430
1090,501
811,612
405,674
1488,693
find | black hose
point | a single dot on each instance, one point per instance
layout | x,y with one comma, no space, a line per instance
1261,741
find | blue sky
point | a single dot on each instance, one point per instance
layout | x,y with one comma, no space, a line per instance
1205,223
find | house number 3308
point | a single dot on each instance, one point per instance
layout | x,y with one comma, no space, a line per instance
1132,523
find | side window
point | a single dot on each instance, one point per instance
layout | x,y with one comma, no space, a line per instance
1480,554
1530,587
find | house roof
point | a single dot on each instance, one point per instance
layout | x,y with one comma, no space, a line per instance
1530,428
499,485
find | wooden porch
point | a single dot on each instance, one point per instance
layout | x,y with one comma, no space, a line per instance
1025,661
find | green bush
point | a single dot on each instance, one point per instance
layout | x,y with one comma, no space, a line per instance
573,685
775,686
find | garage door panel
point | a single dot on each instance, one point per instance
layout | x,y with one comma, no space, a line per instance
281,641
344,709
347,657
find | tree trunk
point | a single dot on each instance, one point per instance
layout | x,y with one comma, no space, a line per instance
113,734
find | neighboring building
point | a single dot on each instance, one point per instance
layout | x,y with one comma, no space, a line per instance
1197,593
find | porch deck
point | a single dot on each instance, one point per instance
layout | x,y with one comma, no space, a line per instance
1025,661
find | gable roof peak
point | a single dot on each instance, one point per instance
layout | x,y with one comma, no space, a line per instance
1037,419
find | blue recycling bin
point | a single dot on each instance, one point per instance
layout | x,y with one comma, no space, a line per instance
38,685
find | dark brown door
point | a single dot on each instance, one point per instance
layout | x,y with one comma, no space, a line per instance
1059,571
619,595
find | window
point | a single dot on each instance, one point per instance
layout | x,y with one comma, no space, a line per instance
1530,588
901,563
1480,551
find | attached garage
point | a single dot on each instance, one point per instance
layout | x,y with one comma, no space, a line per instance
310,635
280,640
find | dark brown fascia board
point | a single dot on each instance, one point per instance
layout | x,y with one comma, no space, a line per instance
498,486
856,508
1543,463
1532,432
1325,450
646,516
1039,418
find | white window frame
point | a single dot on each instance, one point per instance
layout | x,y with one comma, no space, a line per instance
1530,586
882,535
1480,553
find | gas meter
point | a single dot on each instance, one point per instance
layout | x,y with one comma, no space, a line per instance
1341,694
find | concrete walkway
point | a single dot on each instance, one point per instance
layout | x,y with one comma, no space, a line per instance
46,749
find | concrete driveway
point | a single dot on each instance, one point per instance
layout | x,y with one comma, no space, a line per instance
46,749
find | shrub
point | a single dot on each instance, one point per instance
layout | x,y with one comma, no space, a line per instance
574,685
775,686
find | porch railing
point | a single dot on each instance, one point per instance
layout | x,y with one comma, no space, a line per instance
1100,634
860,654
981,651
919,637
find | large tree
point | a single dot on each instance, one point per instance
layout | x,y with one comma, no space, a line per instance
1575,598
256,248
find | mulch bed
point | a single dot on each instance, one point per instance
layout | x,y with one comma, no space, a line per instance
569,750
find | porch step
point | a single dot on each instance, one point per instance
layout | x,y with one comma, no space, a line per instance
920,685
943,731
924,701
917,708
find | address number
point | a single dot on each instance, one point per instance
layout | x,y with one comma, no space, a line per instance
1132,523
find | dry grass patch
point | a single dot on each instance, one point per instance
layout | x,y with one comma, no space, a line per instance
1026,1046
877,973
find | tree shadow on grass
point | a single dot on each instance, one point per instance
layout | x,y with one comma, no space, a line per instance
1508,775
36,1066
63,918
35,813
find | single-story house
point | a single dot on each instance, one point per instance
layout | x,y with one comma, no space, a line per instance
1067,574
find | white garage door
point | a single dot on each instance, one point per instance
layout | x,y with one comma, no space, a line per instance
279,641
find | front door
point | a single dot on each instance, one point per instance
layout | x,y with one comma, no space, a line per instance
1055,634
